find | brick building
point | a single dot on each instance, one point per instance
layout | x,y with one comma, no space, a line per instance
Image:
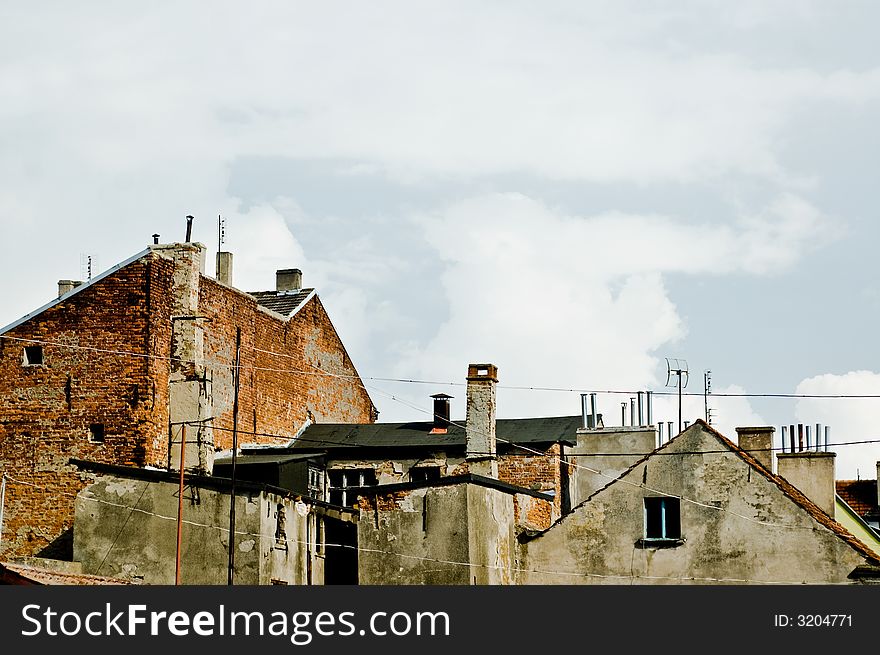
123,367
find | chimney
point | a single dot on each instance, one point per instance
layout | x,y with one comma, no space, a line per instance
481,451
65,286
812,473
758,442
224,267
441,413
288,279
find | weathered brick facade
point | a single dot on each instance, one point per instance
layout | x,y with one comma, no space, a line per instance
102,390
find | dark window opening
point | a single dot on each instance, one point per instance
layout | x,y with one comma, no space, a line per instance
342,479
424,474
280,531
33,356
96,433
316,483
662,518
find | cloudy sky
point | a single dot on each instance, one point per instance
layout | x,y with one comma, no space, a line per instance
573,191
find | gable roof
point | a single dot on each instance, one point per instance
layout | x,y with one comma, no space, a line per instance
521,431
285,303
76,290
860,495
792,492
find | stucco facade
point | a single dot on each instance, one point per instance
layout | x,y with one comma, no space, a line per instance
739,524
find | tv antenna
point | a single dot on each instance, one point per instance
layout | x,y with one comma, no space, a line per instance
677,375
88,263
221,232
707,390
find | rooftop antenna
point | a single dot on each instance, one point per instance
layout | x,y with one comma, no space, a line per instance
87,264
221,232
677,375
707,389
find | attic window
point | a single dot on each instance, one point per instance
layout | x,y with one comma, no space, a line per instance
96,433
33,356
662,518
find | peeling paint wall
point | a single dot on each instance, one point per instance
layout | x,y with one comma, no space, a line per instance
742,529
128,528
455,535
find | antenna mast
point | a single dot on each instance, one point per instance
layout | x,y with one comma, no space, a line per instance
678,368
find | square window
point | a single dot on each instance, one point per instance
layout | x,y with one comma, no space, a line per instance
33,356
96,433
662,518
342,479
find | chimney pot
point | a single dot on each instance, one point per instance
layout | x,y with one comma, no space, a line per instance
288,279
441,413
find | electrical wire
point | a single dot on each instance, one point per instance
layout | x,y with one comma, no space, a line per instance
511,568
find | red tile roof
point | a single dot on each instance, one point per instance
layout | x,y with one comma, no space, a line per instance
861,495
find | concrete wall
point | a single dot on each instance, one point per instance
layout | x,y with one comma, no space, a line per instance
128,528
603,454
452,535
745,529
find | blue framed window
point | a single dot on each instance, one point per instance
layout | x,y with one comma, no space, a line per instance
662,518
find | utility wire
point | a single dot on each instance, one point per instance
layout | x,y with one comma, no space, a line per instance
434,560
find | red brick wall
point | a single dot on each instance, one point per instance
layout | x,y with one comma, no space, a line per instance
277,391
537,472
45,411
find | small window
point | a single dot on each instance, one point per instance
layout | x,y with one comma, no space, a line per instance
316,483
33,356
662,518
342,479
424,474
96,433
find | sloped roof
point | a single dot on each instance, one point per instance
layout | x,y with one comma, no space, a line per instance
792,492
283,302
334,436
860,495
22,574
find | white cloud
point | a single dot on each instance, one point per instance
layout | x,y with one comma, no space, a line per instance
852,419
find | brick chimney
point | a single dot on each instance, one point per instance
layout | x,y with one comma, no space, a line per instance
481,451
758,442
288,279
65,286
224,267
190,399
812,473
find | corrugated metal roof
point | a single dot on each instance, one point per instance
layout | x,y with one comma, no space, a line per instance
284,303
325,436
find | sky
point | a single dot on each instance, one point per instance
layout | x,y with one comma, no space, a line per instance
573,191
